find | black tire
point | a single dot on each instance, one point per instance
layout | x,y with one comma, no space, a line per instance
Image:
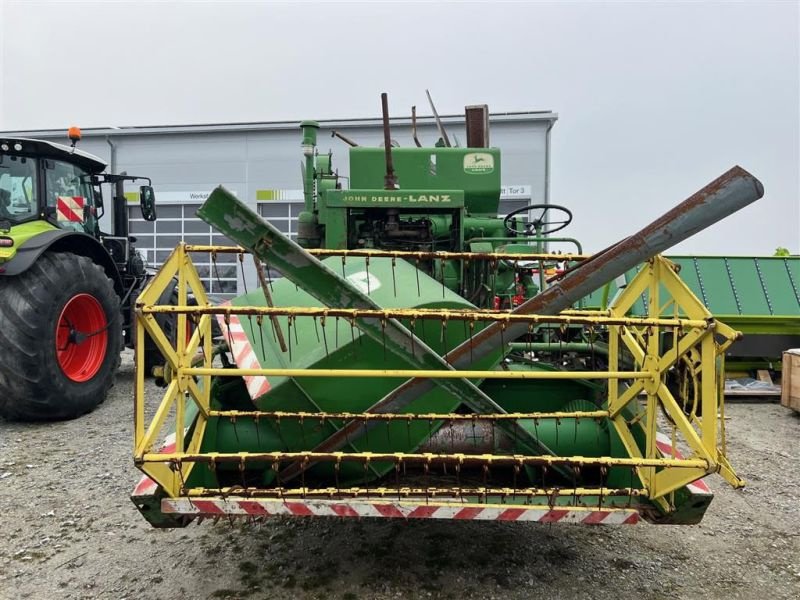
169,325
33,385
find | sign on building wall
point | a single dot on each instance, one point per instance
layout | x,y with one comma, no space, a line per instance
195,197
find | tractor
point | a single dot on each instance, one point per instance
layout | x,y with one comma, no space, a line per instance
67,287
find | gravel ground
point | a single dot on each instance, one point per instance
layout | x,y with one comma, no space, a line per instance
70,531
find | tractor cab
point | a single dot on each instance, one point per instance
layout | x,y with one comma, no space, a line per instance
46,186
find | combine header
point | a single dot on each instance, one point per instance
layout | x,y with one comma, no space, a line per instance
422,358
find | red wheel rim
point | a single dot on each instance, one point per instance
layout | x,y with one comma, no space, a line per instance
81,357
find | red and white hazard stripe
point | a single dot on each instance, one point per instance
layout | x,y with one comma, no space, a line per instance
664,445
70,208
406,509
243,354
146,486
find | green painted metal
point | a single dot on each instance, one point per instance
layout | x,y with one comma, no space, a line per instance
754,294
225,212
455,191
21,234
475,171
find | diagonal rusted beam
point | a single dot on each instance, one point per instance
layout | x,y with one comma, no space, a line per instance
727,194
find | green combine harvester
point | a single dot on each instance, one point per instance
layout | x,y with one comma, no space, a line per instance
421,357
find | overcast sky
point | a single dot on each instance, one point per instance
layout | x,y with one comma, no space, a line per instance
654,100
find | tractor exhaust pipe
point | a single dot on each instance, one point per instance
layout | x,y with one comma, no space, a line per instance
390,181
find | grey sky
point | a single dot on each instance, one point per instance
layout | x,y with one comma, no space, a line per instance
654,100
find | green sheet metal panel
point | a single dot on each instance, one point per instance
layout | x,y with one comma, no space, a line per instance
755,294
781,276
716,283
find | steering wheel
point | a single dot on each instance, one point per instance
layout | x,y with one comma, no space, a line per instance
538,220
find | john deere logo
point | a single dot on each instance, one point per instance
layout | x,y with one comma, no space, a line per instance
478,162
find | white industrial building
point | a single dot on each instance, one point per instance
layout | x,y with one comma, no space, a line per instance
260,162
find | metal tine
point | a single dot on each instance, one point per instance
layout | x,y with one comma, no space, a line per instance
276,466
630,485
322,321
394,279
441,262
575,438
179,468
397,479
344,259
494,264
603,479
235,431
215,269
426,477
289,325
530,337
273,322
227,319
485,470
443,335
241,474
316,328
471,335
260,323
411,324
294,320
352,329
416,272
383,335
258,433
212,466
558,425
366,477
240,256
576,473
279,430
366,268
336,335
269,275
303,477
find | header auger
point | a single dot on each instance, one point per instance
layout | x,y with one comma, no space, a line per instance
420,360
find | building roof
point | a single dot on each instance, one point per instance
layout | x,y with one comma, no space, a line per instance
508,117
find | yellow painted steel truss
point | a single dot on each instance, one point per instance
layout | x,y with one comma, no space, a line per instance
695,353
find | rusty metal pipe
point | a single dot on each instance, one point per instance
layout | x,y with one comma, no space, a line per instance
389,181
414,126
344,138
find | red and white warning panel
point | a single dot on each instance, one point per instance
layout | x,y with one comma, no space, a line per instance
243,354
69,209
405,509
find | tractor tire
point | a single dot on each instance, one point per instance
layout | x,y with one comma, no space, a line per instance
169,325
61,336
